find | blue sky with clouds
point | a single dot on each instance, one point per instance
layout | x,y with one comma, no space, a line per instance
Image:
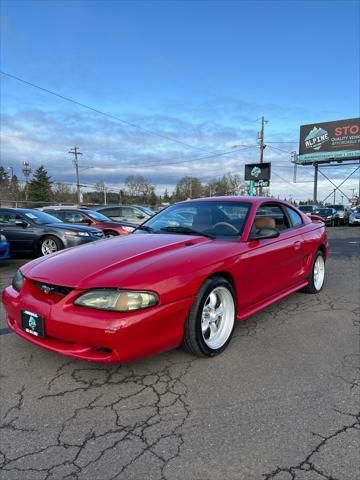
197,71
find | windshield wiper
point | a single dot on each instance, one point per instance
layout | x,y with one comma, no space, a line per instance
186,231
146,228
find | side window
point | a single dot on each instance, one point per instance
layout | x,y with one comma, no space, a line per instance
130,212
6,217
54,213
111,212
74,217
294,217
68,217
271,216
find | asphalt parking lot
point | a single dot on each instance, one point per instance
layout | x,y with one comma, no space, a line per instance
282,402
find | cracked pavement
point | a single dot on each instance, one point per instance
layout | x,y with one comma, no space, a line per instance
282,402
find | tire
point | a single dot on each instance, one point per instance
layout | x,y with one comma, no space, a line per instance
211,320
317,275
110,234
50,244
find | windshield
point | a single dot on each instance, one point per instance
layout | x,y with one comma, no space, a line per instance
41,218
98,216
306,208
147,211
214,219
337,207
324,211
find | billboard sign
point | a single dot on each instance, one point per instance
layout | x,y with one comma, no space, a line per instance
257,171
339,140
261,183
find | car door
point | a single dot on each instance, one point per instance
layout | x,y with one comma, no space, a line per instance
271,266
18,230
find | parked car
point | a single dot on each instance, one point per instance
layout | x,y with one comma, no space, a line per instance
4,248
33,231
80,216
134,214
169,284
354,217
342,212
308,209
328,215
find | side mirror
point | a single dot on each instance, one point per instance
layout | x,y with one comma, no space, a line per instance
21,223
265,233
140,216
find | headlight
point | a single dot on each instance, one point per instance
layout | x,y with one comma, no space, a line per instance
18,281
329,217
76,234
2,238
117,300
128,229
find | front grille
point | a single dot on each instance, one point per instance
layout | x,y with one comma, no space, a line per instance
53,289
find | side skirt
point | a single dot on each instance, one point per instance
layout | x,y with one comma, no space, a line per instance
269,301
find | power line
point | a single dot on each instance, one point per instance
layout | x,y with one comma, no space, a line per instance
289,143
109,115
228,152
279,149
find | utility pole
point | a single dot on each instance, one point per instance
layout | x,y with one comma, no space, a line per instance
262,145
105,192
261,138
75,151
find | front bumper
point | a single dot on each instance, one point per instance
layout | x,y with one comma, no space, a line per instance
95,335
4,250
354,221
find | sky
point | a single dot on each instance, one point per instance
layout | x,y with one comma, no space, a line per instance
179,83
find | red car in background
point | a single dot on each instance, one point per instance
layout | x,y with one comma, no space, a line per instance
84,216
183,278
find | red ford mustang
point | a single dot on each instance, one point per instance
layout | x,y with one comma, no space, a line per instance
182,278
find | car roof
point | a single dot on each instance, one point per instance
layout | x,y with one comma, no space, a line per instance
18,210
245,199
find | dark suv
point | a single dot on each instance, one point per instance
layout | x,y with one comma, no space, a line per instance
84,216
33,231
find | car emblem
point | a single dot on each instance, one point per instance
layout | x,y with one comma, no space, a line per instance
32,323
46,289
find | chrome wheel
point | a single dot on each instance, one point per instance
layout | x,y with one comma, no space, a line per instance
217,318
49,246
319,272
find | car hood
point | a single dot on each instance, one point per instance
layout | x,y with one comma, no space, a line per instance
72,227
132,259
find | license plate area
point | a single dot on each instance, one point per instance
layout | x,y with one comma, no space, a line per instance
32,323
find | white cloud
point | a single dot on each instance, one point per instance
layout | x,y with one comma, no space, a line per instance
112,151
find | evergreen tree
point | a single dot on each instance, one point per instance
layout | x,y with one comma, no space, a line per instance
4,183
166,197
14,188
39,188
